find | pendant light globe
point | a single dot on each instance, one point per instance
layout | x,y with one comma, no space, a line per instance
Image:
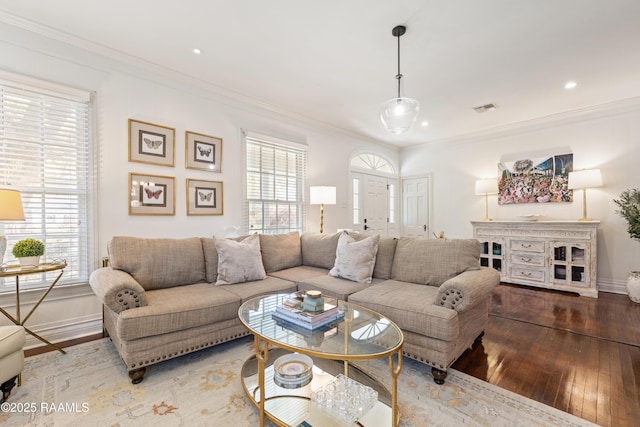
398,114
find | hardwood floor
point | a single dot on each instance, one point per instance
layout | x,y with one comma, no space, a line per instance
578,354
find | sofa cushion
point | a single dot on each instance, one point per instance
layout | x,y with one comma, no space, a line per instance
355,259
158,263
176,309
270,285
300,273
333,286
280,251
319,250
411,306
384,257
433,261
239,262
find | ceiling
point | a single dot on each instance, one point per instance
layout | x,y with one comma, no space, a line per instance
334,61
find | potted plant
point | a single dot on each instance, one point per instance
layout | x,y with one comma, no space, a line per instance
629,204
28,251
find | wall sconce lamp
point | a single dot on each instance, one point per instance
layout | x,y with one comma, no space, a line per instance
10,210
322,195
486,187
583,179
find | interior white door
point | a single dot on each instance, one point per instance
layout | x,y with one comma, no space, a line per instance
415,207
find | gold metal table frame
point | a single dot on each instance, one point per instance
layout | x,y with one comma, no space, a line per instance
263,342
16,271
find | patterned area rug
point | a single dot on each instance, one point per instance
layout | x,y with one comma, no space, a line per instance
89,386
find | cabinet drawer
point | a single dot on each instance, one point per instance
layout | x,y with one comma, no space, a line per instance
527,245
524,273
527,258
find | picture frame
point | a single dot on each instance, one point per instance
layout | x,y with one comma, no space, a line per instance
151,143
151,194
205,197
203,152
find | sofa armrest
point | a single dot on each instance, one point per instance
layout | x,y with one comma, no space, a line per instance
117,289
467,289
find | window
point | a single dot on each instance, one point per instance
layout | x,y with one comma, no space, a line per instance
356,201
44,153
392,203
274,185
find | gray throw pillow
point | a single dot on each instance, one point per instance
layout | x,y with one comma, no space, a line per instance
280,251
239,262
355,259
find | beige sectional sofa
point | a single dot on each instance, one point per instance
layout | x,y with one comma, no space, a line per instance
163,297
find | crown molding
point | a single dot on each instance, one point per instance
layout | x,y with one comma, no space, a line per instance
221,94
539,123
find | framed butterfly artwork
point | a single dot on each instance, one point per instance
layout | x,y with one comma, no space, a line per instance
151,143
151,194
203,152
204,197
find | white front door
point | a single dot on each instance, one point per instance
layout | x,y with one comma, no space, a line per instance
371,204
415,207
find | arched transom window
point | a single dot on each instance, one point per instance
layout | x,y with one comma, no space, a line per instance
372,162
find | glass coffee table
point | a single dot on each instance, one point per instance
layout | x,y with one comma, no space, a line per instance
362,334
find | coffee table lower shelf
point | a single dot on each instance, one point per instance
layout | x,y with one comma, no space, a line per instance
290,407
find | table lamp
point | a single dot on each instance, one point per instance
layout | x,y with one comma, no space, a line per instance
486,187
10,210
322,195
583,179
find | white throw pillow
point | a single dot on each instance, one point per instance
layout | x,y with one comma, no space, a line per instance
239,262
355,260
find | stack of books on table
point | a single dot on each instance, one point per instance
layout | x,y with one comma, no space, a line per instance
305,319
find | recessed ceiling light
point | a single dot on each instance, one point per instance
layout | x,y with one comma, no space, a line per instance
424,124
570,85
196,51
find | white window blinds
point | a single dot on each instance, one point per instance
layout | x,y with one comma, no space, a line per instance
44,153
274,185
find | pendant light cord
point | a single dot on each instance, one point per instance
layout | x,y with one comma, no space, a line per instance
398,76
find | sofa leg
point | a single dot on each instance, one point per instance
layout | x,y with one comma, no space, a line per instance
137,375
6,388
479,337
438,375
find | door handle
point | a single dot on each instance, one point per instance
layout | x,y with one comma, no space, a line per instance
424,227
366,227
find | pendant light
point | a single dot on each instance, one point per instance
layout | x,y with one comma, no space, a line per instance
398,114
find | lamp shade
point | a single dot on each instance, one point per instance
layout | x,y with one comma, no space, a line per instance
322,195
11,205
398,114
586,178
486,186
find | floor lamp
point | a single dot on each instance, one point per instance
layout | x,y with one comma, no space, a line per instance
584,179
10,210
322,195
486,187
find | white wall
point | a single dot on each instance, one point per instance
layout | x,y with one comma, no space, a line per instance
607,138
125,91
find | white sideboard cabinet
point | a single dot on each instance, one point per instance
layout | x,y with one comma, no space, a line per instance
558,255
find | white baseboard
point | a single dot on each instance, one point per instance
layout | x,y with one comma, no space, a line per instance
71,329
614,287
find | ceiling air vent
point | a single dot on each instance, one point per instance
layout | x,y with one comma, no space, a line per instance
484,108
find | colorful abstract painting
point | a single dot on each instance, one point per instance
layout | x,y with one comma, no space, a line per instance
535,180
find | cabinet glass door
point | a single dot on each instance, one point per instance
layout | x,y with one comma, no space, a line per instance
568,264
